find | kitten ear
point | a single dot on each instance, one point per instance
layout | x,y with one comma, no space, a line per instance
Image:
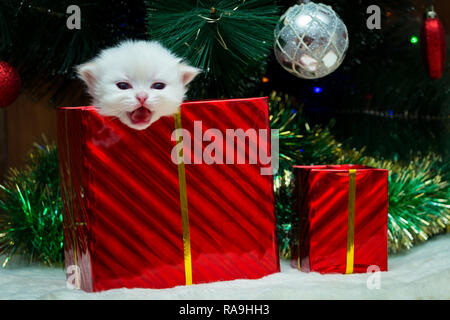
87,73
188,73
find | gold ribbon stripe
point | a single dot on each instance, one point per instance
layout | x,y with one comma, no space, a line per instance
183,202
351,222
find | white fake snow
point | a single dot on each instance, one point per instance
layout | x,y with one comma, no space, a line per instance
421,273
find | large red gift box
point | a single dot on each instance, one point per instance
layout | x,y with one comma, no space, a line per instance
135,218
342,211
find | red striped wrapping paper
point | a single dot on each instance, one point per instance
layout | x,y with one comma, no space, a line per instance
322,236
122,219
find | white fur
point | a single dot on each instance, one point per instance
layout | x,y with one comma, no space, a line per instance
140,63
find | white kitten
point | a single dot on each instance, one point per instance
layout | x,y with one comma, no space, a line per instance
137,82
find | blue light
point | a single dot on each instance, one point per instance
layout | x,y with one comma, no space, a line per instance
391,113
301,150
318,90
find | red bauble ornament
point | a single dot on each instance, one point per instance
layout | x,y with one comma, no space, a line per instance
432,42
9,84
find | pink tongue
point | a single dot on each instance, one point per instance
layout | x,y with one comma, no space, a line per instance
141,115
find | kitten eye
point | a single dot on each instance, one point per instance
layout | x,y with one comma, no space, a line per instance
158,85
123,85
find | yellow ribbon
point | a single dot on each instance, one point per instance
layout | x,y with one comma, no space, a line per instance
351,222
183,202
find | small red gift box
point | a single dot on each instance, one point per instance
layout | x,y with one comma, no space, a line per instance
342,219
135,218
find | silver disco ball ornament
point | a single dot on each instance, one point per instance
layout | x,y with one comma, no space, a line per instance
310,40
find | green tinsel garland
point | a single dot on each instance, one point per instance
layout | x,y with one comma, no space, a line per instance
30,209
419,206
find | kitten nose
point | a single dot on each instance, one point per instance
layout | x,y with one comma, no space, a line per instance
142,97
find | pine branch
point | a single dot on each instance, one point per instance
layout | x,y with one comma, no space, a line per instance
229,40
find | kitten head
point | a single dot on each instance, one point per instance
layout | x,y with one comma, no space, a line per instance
137,82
